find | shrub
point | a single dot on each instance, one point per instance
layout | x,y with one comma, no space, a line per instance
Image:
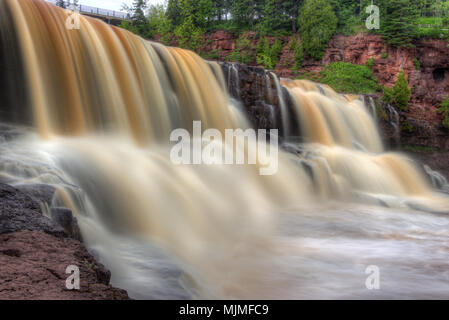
444,109
388,95
318,24
263,53
189,35
212,55
349,78
276,50
243,51
401,92
369,62
384,55
416,63
269,57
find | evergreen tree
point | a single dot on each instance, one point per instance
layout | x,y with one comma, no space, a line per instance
158,23
401,92
173,12
317,24
398,21
243,13
138,20
291,9
272,17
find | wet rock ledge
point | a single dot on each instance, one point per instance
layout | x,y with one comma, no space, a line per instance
35,252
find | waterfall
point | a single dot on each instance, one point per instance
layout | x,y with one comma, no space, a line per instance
104,102
283,106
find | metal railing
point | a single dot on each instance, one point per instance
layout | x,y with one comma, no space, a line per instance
97,11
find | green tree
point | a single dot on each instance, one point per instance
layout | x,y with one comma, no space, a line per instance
272,17
401,92
398,22
317,24
242,12
263,53
291,9
158,23
189,34
298,51
138,22
173,12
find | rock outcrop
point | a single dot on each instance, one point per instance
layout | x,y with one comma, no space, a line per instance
34,266
36,250
18,212
426,65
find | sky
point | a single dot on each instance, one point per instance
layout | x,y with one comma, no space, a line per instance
113,4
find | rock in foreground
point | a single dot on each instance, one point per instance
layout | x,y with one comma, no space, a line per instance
33,266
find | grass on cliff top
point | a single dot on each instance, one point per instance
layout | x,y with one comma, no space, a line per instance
346,77
418,149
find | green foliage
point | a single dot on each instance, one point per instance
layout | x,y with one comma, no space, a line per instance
349,78
416,148
318,24
432,33
266,55
369,62
384,55
158,23
296,47
272,18
416,63
401,92
243,51
276,50
213,55
388,95
173,12
444,109
398,22
189,35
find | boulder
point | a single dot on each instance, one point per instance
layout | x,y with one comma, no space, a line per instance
18,212
34,267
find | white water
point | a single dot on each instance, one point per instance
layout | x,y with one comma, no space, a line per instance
169,231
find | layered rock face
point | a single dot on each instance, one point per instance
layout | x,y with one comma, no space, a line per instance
36,250
255,89
34,267
418,130
426,65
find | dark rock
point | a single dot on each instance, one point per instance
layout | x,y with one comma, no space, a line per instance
18,212
40,192
64,217
34,267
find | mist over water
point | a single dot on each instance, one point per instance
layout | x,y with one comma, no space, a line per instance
102,104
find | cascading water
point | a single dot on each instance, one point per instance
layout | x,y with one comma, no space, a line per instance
104,102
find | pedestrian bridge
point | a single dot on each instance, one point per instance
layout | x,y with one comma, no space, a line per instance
109,16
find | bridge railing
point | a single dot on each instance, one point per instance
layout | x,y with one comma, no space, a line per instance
97,11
